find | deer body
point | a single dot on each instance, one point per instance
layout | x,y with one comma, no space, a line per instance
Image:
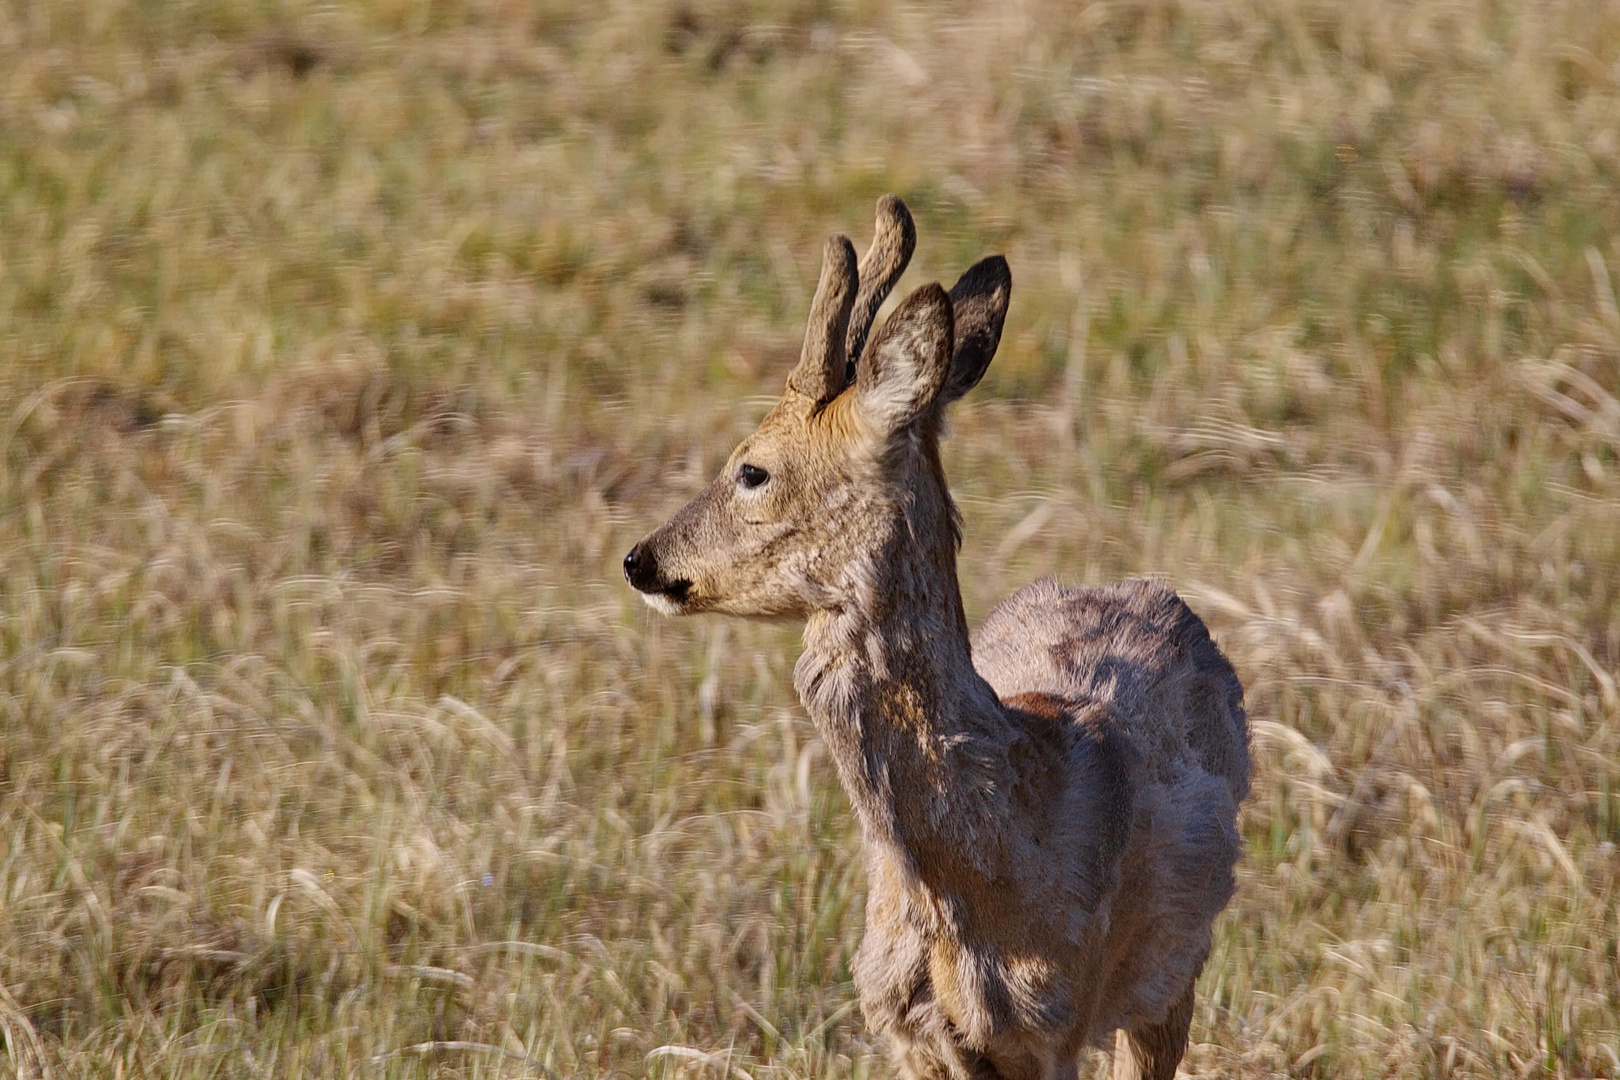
1048,812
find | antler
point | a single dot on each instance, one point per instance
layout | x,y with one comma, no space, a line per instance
894,238
847,301
820,374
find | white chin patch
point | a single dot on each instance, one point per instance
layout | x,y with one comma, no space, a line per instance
661,603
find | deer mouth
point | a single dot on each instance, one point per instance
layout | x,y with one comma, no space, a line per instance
675,591
668,599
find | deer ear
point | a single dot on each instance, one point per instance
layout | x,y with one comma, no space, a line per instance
979,305
900,376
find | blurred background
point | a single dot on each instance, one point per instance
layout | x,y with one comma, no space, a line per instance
345,348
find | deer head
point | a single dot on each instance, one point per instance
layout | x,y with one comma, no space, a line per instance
844,470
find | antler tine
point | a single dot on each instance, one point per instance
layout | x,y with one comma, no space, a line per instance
894,239
819,375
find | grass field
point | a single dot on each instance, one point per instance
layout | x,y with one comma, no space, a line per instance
344,349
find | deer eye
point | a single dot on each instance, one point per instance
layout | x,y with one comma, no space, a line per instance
752,476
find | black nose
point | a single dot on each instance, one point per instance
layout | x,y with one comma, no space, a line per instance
641,569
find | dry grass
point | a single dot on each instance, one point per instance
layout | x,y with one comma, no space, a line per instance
344,350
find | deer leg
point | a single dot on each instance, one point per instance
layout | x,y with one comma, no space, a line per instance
1152,1051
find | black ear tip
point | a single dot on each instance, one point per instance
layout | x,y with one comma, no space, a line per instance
988,275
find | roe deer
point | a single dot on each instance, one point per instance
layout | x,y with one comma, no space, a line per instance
1048,814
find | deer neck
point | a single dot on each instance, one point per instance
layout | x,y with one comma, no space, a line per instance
918,737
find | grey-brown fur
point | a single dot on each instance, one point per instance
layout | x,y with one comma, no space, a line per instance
1048,811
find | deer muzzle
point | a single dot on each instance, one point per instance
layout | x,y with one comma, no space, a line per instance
642,571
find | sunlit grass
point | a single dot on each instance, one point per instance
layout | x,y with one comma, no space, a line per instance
345,349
